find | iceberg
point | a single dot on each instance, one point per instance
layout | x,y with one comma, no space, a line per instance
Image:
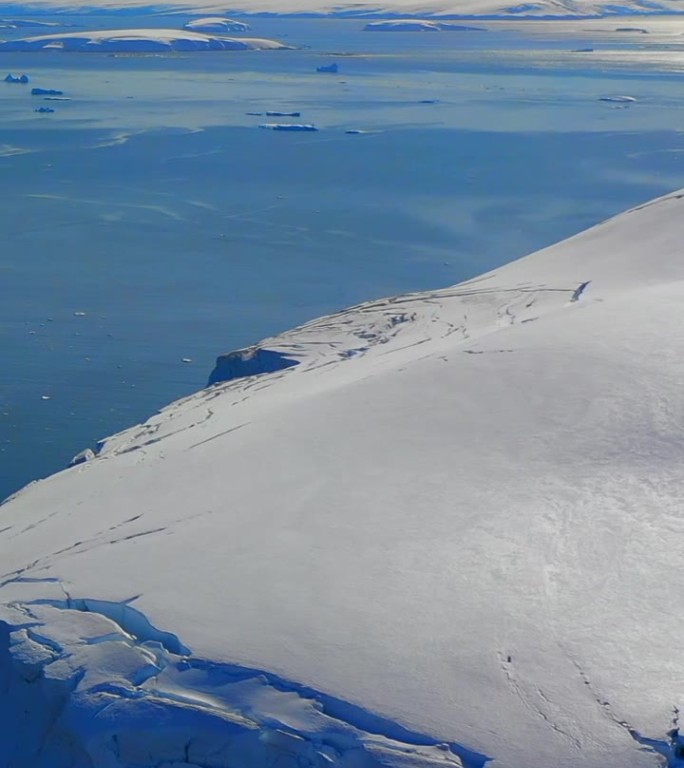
438,529
417,25
307,127
618,99
46,92
138,40
21,79
216,24
19,23
333,68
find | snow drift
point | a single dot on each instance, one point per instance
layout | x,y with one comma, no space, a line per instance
441,528
134,40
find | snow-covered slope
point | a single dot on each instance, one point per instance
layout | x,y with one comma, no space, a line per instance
419,8
131,40
437,528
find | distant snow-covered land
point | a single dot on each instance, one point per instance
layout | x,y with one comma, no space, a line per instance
216,24
436,529
418,8
417,25
19,23
127,40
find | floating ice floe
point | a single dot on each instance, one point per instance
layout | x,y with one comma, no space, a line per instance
289,126
618,99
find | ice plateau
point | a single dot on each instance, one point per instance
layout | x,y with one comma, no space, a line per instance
435,529
216,24
137,40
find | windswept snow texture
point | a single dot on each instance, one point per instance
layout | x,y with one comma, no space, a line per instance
216,24
417,25
447,534
137,40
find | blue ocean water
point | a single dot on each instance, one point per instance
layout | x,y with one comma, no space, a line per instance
149,221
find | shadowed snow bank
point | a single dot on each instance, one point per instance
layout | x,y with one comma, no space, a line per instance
92,684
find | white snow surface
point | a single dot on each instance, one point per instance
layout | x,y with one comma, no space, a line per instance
216,24
453,517
420,8
132,40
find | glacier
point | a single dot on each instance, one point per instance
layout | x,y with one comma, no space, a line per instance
438,528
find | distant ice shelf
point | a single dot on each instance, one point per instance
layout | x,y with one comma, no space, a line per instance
138,40
216,24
